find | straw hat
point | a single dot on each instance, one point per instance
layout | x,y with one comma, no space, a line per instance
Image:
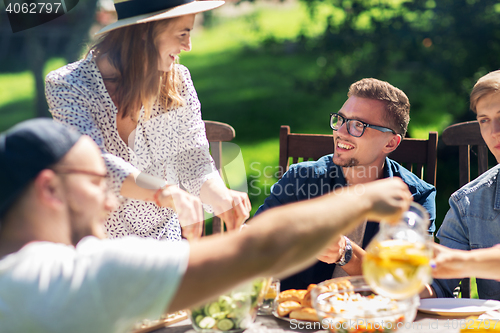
132,12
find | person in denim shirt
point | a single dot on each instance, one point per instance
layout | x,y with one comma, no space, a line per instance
473,221
376,115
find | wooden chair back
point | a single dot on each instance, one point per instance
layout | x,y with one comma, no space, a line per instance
417,155
466,136
217,133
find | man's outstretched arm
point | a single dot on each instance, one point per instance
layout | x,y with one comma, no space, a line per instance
288,244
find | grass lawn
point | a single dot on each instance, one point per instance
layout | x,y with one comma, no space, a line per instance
16,98
17,91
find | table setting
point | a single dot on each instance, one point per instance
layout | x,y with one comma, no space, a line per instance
452,316
396,268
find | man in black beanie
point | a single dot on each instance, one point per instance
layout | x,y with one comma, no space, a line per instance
57,276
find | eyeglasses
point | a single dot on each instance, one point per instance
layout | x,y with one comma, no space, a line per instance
355,127
83,172
107,190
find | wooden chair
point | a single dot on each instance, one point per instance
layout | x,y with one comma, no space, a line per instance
417,155
217,133
466,135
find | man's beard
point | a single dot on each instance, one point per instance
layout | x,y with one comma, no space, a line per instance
349,164
83,226
77,232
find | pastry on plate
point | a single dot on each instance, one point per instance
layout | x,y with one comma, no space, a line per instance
291,295
284,308
307,314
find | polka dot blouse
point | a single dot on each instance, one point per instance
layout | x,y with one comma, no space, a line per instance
171,144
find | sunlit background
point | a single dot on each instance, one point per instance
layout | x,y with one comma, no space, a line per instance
260,64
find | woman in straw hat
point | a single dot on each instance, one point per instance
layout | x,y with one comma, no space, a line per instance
141,108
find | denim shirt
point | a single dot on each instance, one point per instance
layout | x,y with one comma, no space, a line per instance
307,180
473,222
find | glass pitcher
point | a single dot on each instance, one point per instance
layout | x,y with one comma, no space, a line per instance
396,263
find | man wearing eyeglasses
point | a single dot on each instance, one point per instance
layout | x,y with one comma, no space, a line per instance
57,276
368,127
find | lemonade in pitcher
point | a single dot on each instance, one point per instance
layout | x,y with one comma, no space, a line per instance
397,269
396,263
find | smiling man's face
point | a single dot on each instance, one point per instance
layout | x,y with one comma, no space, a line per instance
369,149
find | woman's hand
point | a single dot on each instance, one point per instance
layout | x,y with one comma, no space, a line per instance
240,211
231,206
187,206
142,186
193,231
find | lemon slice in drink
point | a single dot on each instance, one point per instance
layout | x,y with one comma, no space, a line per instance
397,268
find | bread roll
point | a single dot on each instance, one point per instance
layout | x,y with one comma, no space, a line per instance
285,308
307,314
291,295
306,301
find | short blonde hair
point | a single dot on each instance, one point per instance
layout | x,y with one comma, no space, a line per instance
396,101
490,83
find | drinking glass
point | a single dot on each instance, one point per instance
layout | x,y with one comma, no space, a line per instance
268,305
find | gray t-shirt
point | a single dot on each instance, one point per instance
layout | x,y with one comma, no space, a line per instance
99,286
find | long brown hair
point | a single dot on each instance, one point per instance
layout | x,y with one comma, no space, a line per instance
133,52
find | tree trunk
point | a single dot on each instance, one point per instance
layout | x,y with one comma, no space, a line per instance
86,16
37,55
36,61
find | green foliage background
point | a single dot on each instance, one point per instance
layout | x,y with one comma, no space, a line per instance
263,64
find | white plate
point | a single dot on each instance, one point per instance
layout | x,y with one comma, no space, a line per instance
457,306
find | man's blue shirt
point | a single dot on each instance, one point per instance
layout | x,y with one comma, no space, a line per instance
308,180
473,222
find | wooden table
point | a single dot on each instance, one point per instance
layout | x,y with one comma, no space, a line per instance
270,324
